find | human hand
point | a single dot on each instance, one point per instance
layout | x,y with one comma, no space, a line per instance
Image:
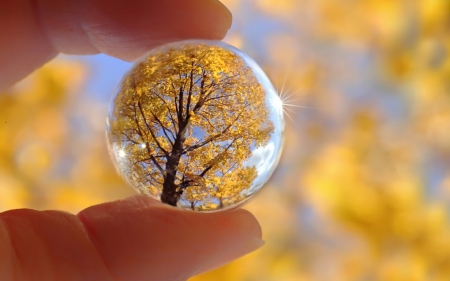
137,238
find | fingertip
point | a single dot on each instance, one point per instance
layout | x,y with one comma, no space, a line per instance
108,208
225,11
249,221
128,30
176,243
36,31
239,234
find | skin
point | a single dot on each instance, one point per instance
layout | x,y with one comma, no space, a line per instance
136,238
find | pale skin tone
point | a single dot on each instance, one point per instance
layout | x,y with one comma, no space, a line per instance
136,238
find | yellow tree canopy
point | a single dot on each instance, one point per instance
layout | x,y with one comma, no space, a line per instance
187,120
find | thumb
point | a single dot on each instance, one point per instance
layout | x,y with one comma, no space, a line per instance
133,239
142,239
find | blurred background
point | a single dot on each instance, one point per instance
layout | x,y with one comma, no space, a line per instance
363,188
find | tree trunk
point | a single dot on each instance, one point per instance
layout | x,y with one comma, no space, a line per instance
169,194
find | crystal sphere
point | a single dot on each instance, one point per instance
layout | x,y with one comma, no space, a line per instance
196,124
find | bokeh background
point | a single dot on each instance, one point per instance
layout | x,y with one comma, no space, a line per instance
363,188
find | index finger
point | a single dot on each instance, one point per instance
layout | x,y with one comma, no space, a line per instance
36,31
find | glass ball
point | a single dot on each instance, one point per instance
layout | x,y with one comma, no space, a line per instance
196,124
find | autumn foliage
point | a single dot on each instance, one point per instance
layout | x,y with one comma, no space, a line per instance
185,121
363,189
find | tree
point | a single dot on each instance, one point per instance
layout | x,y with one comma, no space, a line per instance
188,119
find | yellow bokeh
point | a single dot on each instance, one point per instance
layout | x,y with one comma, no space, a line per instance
363,188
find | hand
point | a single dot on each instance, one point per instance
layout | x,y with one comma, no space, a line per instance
137,238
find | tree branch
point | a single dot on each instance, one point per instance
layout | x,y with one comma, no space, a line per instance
214,162
153,178
163,127
170,113
205,142
190,92
220,97
151,131
147,159
142,135
128,138
157,164
180,106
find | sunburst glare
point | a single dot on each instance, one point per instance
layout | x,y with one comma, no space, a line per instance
283,103
122,153
276,104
